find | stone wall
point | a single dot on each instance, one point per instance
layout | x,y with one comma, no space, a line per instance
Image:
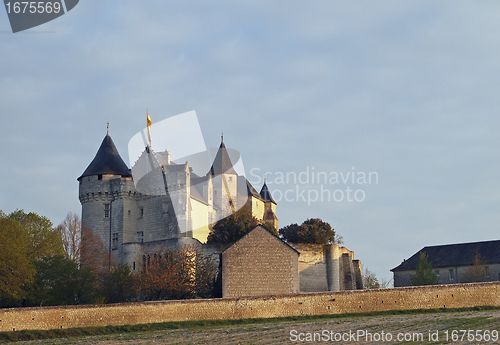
437,296
327,268
259,264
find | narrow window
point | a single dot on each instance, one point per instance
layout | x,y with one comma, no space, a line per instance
141,212
106,210
115,240
487,271
133,265
451,275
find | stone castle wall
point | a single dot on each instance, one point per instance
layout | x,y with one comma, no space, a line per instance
425,297
327,268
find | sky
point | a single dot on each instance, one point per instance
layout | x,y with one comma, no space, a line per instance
405,92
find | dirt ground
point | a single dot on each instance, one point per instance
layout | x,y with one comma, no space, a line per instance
417,329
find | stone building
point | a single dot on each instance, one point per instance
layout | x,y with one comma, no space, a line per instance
262,264
452,263
259,264
328,268
161,204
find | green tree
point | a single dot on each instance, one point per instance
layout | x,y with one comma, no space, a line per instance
59,281
205,276
16,266
234,227
370,280
424,274
117,284
44,239
313,230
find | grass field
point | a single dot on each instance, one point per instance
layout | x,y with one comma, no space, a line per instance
382,328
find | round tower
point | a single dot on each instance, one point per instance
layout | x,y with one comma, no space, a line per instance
106,193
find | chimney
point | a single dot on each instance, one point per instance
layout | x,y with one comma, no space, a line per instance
168,156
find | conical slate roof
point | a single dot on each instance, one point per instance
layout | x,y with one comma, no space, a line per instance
107,161
222,164
266,194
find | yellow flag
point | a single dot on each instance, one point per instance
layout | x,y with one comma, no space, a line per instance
149,127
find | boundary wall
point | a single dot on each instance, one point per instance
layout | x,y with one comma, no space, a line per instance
405,298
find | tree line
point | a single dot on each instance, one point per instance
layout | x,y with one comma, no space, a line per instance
41,264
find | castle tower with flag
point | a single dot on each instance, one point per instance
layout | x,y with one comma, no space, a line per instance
161,204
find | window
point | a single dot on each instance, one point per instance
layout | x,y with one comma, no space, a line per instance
437,273
133,266
140,237
106,210
230,178
487,271
99,177
115,241
451,275
141,212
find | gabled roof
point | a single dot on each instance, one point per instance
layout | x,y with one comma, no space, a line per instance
107,161
222,163
450,255
270,233
266,194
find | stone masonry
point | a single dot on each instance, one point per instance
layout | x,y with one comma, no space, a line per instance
423,297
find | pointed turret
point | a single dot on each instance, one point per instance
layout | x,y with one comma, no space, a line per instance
265,194
222,163
107,161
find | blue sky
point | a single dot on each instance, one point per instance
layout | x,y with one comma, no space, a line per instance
409,90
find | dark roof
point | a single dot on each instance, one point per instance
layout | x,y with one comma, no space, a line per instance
107,161
251,191
451,255
266,194
222,164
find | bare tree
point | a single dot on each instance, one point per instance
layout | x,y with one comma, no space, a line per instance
82,245
176,274
475,272
71,234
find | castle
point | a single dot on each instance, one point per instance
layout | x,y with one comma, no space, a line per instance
161,204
